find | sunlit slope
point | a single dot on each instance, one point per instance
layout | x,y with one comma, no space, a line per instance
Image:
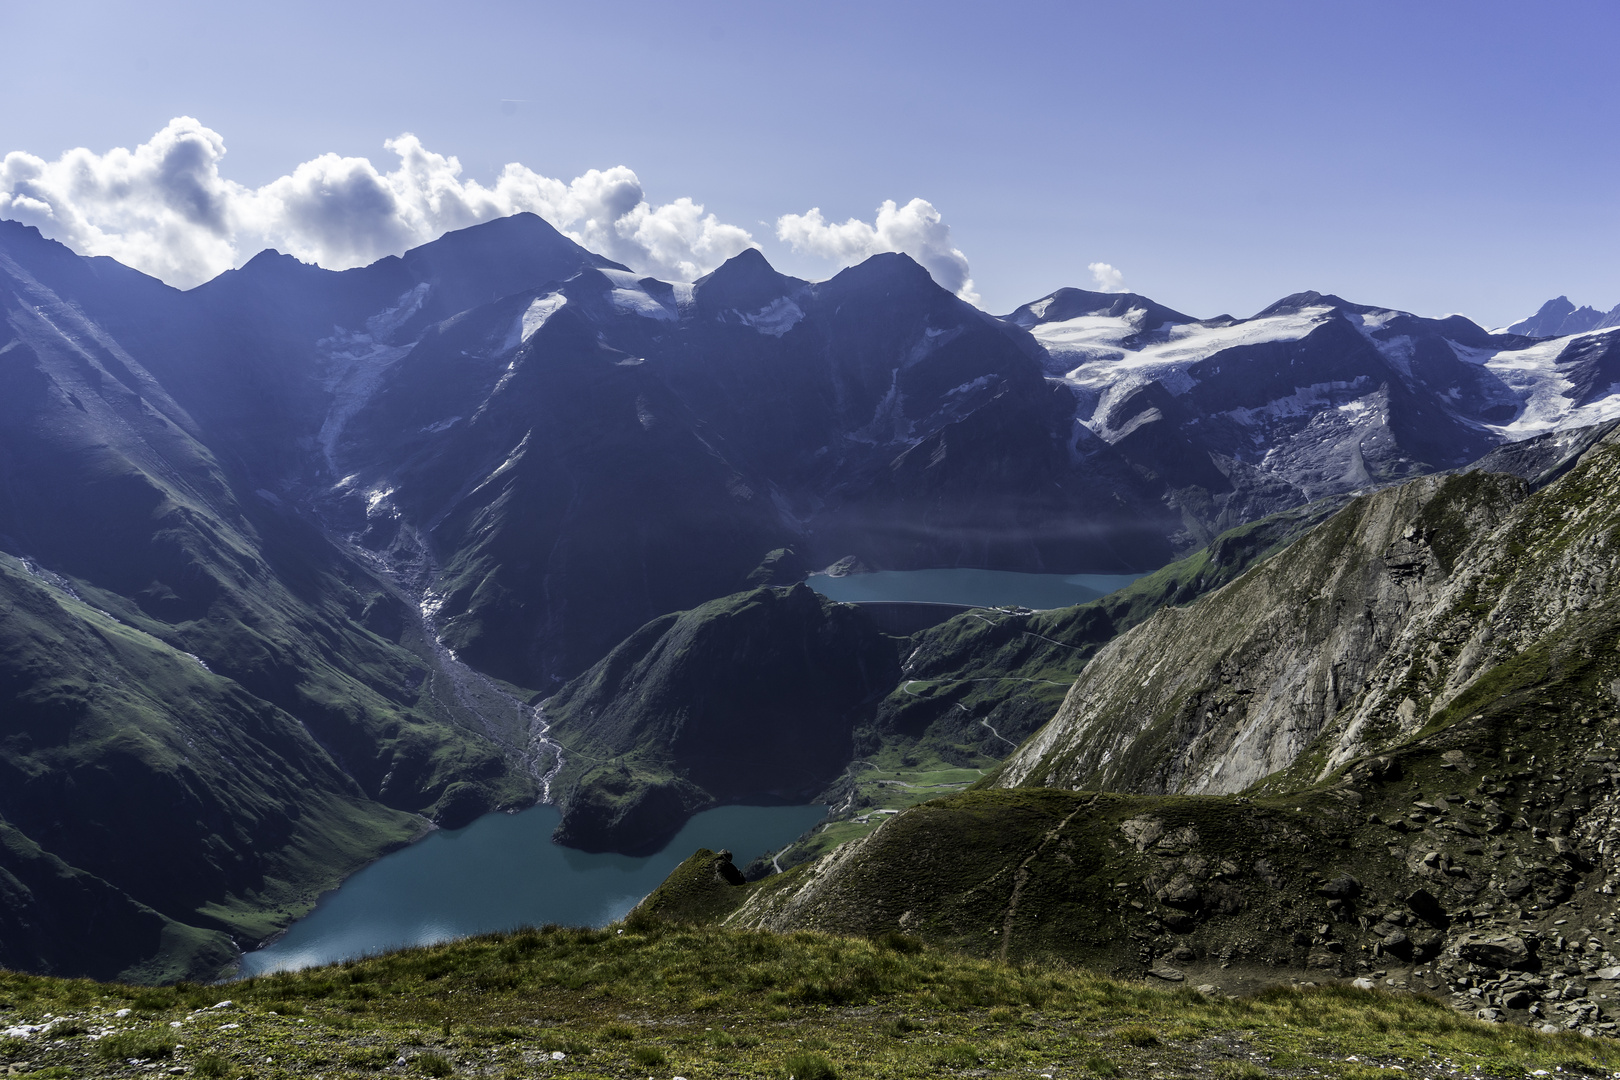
1353,639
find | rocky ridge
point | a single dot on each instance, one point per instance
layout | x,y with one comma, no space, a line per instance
1448,828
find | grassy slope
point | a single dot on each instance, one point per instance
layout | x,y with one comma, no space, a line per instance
754,694
243,819
1125,883
653,1000
975,686
1495,818
311,738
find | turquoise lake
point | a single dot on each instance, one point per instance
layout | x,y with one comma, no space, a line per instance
501,872
979,588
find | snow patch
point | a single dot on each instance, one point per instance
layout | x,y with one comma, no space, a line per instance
933,339
1106,356
504,467
635,300
533,318
775,318
1304,401
968,387
352,364
1533,375
1369,322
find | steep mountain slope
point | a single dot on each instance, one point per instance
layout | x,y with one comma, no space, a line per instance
133,778
993,677
333,488
753,696
624,448
1450,827
206,704
1355,636
560,451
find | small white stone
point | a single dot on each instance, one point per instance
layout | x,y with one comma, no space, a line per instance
121,1013
557,1055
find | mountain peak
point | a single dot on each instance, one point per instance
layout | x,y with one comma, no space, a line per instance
885,270
1070,303
1296,302
745,282
1560,318
498,258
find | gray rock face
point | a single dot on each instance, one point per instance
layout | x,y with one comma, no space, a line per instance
1212,697
1351,639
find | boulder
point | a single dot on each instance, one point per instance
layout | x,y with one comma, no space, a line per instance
1343,887
1182,893
1506,951
1518,999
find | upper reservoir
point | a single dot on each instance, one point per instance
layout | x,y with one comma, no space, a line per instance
975,588
501,872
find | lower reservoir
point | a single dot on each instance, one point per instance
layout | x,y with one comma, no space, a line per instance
975,588
501,872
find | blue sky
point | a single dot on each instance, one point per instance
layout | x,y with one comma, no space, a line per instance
1433,156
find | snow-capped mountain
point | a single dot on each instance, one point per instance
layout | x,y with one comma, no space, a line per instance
1314,395
1560,318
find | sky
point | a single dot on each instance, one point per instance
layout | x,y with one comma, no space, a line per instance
1429,155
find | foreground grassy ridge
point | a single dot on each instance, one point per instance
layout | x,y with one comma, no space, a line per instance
647,999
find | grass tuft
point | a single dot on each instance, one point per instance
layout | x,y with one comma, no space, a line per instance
806,1065
433,1064
134,1046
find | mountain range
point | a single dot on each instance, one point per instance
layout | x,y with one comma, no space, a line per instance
289,560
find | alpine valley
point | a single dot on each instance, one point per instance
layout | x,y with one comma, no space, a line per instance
299,564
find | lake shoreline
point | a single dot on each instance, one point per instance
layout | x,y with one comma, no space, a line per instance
500,872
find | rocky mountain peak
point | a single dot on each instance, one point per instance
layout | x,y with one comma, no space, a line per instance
746,283
1558,318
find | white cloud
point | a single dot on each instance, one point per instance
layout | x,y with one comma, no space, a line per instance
1107,278
915,228
165,208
